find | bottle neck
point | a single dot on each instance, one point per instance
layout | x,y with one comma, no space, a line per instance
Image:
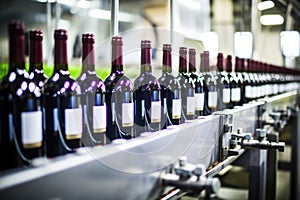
88,57
167,61
16,52
117,58
192,63
146,60
60,55
204,66
182,63
36,55
220,64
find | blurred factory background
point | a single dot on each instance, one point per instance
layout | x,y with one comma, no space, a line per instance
212,25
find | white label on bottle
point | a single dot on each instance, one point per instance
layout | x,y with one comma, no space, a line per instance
190,105
31,126
226,95
55,119
262,90
155,111
127,114
113,111
212,99
73,123
235,94
99,119
266,89
165,105
248,92
199,101
258,91
176,108
143,108
255,90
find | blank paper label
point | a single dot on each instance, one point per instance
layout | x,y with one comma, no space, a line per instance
155,111
199,101
248,91
32,134
99,119
226,95
73,123
235,94
190,105
127,114
176,108
212,99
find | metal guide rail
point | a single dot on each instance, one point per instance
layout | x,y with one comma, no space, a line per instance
133,169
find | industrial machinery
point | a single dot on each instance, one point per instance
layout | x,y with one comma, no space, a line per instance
181,160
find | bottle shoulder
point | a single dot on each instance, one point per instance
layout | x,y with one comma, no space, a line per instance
147,81
169,81
90,82
185,80
19,84
118,82
61,83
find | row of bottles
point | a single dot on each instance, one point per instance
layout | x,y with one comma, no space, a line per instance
56,115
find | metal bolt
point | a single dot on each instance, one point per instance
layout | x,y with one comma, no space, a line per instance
247,136
199,170
182,161
239,130
260,133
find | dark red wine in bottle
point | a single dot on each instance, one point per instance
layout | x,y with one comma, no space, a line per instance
235,91
119,96
255,71
92,96
211,95
147,104
36,71
239,66
170,91
246,94
251,90
187,87
61,101
24,106
8,150
269,87
199,83
223,86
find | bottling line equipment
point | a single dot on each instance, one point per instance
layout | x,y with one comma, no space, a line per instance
181,160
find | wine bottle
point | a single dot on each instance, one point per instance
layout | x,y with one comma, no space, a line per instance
119,96
170,91
147,104
92,96
8,150
61,103
199,83
187,87
223,84
36,71
24,110
211,95
246,94
251,90
239,67
235,91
